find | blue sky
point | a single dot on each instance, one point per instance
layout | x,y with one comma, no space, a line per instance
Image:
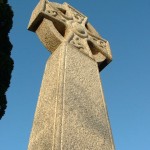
126,25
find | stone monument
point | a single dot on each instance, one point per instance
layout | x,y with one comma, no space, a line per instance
71,113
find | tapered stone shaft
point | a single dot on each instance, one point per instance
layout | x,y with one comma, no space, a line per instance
71,112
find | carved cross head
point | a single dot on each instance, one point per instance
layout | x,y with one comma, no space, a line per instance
57,23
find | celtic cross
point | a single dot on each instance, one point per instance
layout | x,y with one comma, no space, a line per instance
71,112
63,23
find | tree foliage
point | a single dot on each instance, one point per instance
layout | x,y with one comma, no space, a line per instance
6,62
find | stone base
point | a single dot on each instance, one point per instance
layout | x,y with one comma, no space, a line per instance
71,112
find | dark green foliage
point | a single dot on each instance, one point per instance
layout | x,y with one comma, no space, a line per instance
6,67
6,62
3,105
6,15
5,1
5,45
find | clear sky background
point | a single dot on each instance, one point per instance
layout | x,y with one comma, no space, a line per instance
126,81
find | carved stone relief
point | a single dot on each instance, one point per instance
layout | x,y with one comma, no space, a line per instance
74,29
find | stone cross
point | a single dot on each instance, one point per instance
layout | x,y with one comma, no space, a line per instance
71,113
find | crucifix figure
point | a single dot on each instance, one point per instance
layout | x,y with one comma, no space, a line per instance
71,113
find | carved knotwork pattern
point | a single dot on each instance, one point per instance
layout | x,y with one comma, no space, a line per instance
77,28
65,22
100,42
64,13
76,15
75,23
50,10
81,44
76,41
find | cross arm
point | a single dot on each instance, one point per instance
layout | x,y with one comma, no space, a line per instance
56,23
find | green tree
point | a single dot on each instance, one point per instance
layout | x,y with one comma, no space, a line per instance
6,62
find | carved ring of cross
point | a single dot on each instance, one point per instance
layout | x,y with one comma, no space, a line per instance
63,23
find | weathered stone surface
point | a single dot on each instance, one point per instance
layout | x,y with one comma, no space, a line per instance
55,23
71,113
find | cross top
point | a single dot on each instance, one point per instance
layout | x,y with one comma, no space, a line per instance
57,23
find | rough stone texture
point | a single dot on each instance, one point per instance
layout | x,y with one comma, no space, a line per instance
55,23
71,112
